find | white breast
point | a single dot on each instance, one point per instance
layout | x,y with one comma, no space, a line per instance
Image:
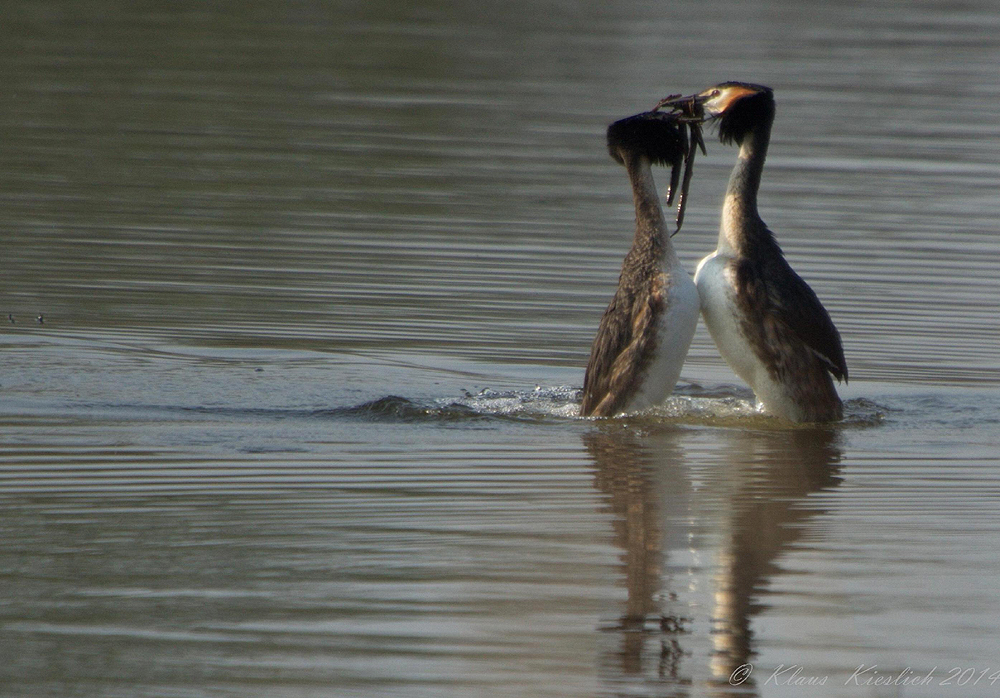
675,329
717,291
718,307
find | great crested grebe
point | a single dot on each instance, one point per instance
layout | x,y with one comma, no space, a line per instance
645,332
767,322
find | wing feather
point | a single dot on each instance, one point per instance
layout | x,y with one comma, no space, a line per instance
788,309
626,339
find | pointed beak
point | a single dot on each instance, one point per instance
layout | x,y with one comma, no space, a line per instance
689,108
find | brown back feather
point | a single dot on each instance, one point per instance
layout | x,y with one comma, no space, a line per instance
789,329
624,344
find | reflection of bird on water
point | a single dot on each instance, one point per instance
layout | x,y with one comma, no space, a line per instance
631,471
645,332
736,520
767,322
771,476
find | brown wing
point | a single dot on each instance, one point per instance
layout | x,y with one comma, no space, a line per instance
786,308
622,348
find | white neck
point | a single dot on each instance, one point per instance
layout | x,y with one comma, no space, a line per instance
741,223
650,224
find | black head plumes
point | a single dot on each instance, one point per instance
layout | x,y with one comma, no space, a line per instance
663,138
656,135
746,112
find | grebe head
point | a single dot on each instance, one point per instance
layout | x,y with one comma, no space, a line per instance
655,135
738,107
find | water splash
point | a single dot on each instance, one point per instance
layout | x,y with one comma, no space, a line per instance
541,403
725,405
742,410
538,405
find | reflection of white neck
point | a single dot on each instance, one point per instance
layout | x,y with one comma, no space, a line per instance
730,619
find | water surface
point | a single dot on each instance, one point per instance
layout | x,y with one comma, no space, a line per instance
317,283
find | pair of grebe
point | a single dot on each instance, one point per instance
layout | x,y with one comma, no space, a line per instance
767,322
